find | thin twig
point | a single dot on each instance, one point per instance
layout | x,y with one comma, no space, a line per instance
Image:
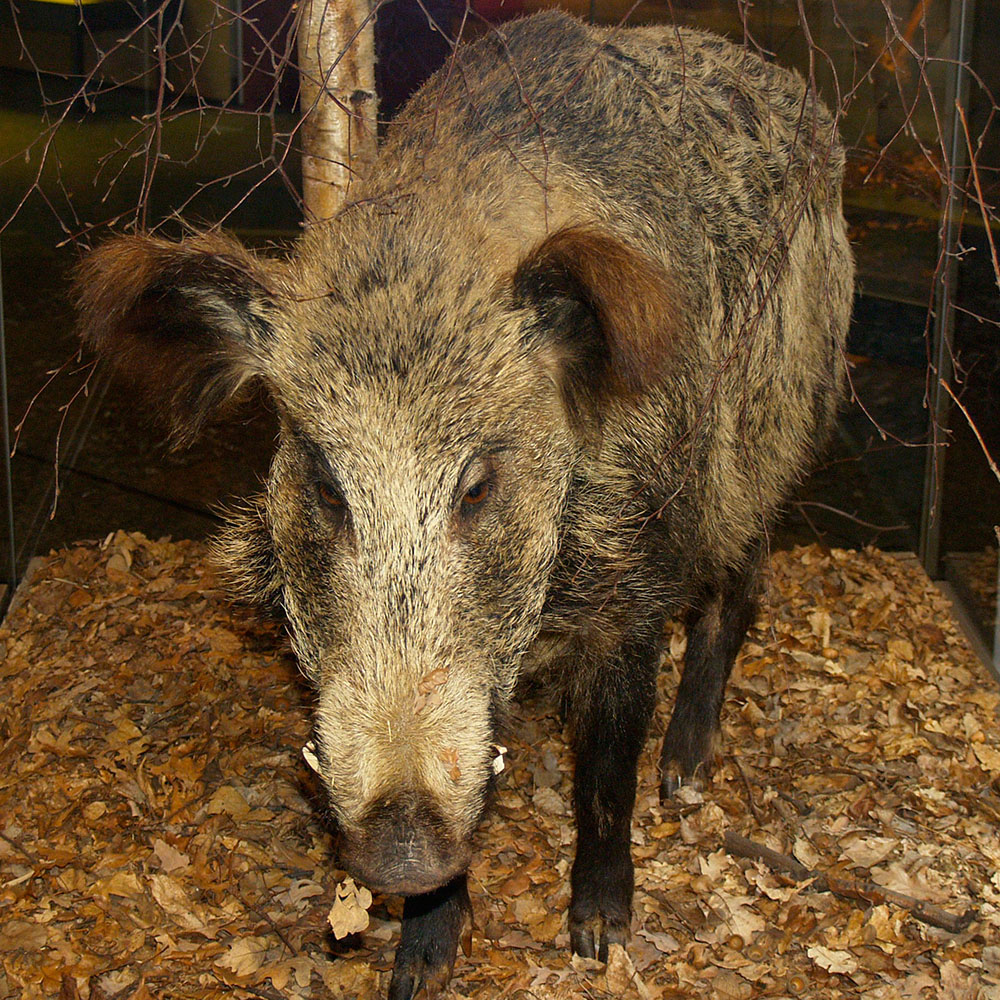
19,848
866,891
983,208
850,517
746,784
972,426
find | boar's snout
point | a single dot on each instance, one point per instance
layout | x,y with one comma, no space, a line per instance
403,847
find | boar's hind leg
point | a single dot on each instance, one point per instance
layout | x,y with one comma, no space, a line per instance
428,942
610,711
716,628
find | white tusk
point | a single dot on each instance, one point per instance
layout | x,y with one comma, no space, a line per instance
309,752
498,760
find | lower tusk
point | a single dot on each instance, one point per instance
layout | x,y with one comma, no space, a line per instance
309,752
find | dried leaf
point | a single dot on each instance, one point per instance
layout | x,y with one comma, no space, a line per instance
887,923
868,851
245,956
621,975
820,622
300,890
229,800
548,800
449,757
988,756
21,934
432,680
916,884
170,858
349,913
806,853
902,648
665,943
833,961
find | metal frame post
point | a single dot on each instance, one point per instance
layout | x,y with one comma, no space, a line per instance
10,568
956,92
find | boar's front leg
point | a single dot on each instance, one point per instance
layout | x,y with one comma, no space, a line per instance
428,942
611,705
716,627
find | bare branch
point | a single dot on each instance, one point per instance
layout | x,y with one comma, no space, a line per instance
866,891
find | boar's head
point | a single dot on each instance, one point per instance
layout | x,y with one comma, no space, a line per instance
433,415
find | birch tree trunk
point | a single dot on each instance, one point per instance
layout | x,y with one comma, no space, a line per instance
336,49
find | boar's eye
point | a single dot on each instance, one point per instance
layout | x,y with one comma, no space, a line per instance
477,484
475,495
330,495
332,501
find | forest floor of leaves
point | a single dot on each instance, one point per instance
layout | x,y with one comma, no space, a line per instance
161,834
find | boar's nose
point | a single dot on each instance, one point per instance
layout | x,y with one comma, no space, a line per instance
403,847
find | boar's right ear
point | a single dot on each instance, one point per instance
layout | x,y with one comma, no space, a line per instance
191,322
613,307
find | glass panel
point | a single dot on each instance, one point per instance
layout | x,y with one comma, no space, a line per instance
8,566
891,69
94,131
970,504
175,111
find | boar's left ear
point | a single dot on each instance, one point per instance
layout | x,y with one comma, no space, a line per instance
613,307
189,321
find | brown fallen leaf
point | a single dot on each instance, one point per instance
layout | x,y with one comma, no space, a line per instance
244,956
169,858
620,974
349,913
832,960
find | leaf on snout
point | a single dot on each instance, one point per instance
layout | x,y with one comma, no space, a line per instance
309,753
423,701
429,689
432,680
349,913
449,758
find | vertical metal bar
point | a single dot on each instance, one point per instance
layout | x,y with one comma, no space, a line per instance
996,623
11,569
956,92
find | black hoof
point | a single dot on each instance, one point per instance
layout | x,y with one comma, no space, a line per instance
592,938
686,758
673,778
670,784
428,943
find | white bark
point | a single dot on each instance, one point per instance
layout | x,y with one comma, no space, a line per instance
336,46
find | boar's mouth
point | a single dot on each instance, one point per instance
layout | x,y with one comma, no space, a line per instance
403,847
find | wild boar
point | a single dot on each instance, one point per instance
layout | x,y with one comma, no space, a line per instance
544,382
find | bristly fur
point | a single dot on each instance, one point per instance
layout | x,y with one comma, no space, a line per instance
244,553
545,381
